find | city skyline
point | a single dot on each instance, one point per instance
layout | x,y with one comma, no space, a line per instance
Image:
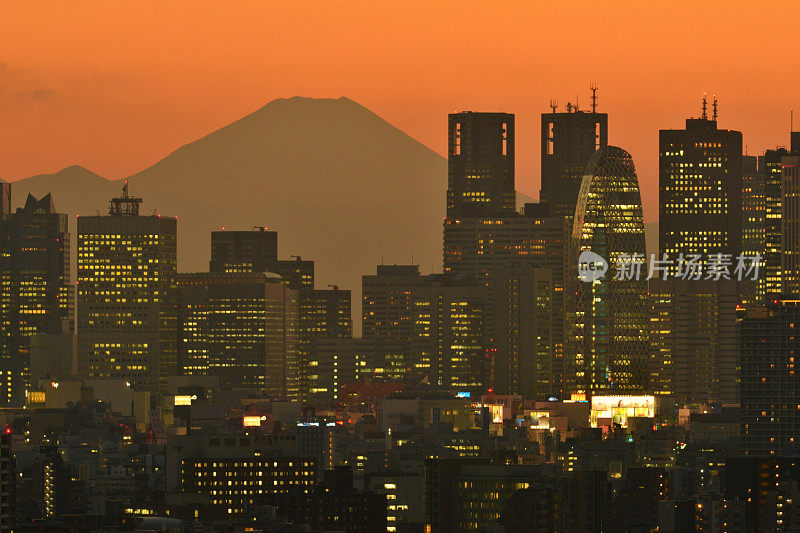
79,87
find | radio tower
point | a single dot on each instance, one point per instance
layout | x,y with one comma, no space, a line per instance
593,88
553,104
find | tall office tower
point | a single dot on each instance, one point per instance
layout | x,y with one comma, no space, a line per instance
609,317
5,199
387,318
753,208
477,247
35,290
447,343
790,221
297,272
519,331
322,314
568,141
770,168
480,165
243,251
240,327
127,312
426,326
694,339
700,190
770,390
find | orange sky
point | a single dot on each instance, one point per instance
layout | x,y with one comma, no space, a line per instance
116,85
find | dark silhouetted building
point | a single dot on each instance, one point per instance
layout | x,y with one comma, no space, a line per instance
770,390
35,290
694,339
700,190
243,251
127,314
5,199
480,167
568,141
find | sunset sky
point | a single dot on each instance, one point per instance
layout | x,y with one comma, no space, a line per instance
116,85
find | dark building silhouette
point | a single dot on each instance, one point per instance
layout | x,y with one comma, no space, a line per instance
244,251
35,290
520,330
766,487
297,272
242,328
480,167
694,339
127,315
700,190
5,199
568,141
770,390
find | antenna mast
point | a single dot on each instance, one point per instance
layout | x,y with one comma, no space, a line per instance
553,104
704,116
593,88
714,107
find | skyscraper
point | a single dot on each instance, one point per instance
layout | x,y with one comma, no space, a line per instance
520,330
568,141
241,327
772,171
694,339
5,199
608,317
243,251
35,290
700,190
770,390
126,295
790,221
480,180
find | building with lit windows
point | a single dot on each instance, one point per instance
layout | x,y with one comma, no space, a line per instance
35,290
335,362
127,314
240,327
480,165
426,326
568,141
694,339
243,251
608,318
700,190
322,314
790,220
520,329
770,390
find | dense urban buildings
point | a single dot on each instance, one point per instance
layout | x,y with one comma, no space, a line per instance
127,314
550,378
608,348
700,190
35,289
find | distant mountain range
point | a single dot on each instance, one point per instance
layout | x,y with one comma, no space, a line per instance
340,185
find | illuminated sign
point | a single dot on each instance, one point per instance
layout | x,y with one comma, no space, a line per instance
253,421
184,400
619,408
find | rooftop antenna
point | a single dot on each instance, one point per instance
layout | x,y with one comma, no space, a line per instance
593,88
577,103
553,105
569,107
714,109
704,116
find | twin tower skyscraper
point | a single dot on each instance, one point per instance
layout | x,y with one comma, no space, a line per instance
589,200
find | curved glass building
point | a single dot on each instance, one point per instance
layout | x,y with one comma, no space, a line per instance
608,349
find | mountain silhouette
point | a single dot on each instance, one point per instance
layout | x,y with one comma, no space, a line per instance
340,185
